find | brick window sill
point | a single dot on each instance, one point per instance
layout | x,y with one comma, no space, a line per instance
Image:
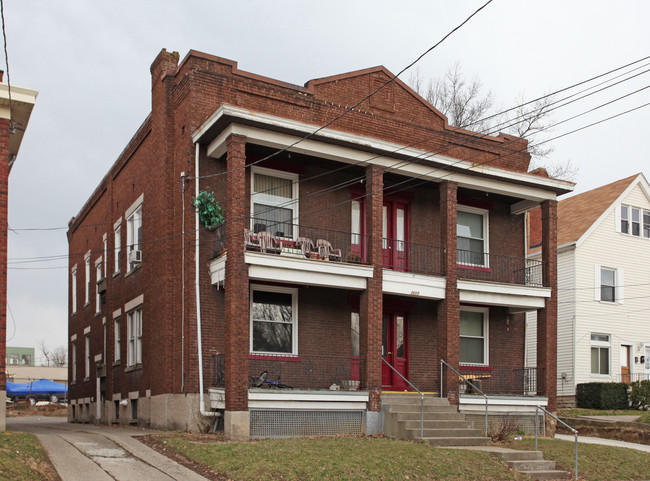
136,367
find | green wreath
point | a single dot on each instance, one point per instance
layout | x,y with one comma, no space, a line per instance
210,212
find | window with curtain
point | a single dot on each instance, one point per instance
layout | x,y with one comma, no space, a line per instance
274,202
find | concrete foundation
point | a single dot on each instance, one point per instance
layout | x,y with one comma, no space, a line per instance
373,423
3,411
237,425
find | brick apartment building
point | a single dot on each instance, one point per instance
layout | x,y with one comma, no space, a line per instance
15,110
363,255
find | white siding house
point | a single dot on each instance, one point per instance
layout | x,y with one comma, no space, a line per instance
603,286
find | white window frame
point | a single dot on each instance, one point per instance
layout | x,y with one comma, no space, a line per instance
99,275
258,198
486,233
73,282
117,339
133,218
486,334
105,239
74,360
598,344
87,356
87,261
619,283
294,317
629,211
117,245
134,337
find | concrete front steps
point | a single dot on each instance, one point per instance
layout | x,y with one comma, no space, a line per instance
532,463
443,424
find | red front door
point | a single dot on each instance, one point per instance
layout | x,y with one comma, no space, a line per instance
394,349
395,235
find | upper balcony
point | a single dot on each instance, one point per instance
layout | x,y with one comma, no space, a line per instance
297,253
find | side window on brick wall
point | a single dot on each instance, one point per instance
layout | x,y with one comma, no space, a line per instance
134,235
73,289
474,346
134,335
274,320
472,236
274,202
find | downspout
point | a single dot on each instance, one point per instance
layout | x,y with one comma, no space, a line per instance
197,290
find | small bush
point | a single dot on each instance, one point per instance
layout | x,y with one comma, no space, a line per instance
602,395
505,427
640,395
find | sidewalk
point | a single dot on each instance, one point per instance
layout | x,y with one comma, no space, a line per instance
604,442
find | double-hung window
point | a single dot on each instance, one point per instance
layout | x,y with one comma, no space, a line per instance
608,284
474,336
133,234
472,236
117,337
134,352
74,359
87,357
274,202
87,261
600,346
99,277
73,288
635,221
274,320
117,230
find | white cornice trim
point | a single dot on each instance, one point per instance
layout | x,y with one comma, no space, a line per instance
259,136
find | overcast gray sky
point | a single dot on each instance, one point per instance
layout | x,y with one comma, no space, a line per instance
90,61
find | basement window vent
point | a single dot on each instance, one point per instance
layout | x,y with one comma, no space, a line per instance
273,423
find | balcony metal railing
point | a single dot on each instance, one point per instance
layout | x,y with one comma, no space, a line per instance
298,372
505,379
411,257
303,241
499,268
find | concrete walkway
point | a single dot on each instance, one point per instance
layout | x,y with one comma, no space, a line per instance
604,442
613,419
100,453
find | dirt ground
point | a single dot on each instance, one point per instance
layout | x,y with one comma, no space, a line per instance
622,431
23,409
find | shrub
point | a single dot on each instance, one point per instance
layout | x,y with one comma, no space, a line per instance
602,395
640,395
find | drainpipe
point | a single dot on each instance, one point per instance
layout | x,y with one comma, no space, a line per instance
197,290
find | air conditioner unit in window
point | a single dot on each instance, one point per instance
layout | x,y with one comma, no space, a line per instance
135,257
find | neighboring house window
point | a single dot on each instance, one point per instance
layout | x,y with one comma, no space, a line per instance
474,336
274,320
635,221
87,297
74,361
134,328
118,247
98,297
274,202
609,284
87,357
116,355
472,236
600,346
73,283
647,358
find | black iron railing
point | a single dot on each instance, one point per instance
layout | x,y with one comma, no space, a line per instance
504,379
298,372
499,268
411,257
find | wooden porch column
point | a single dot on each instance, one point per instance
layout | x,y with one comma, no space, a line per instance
371,307
448,325
547,317
236,419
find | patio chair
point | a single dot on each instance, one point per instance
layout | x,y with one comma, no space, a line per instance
269,243
251,243
326,251
306,245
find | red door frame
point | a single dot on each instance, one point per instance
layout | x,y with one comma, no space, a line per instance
391,350
395,252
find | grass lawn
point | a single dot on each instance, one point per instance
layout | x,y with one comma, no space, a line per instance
644,415
595,462
22,458
342,458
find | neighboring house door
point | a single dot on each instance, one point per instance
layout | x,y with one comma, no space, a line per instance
394,348
395,235
625,363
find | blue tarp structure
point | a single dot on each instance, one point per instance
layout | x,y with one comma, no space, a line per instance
43,386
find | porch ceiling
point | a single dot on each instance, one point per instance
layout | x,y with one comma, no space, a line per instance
518,298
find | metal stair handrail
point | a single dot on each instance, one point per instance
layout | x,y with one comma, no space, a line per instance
443,363
574,431
416,389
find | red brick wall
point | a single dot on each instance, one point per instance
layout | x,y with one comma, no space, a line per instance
4,225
